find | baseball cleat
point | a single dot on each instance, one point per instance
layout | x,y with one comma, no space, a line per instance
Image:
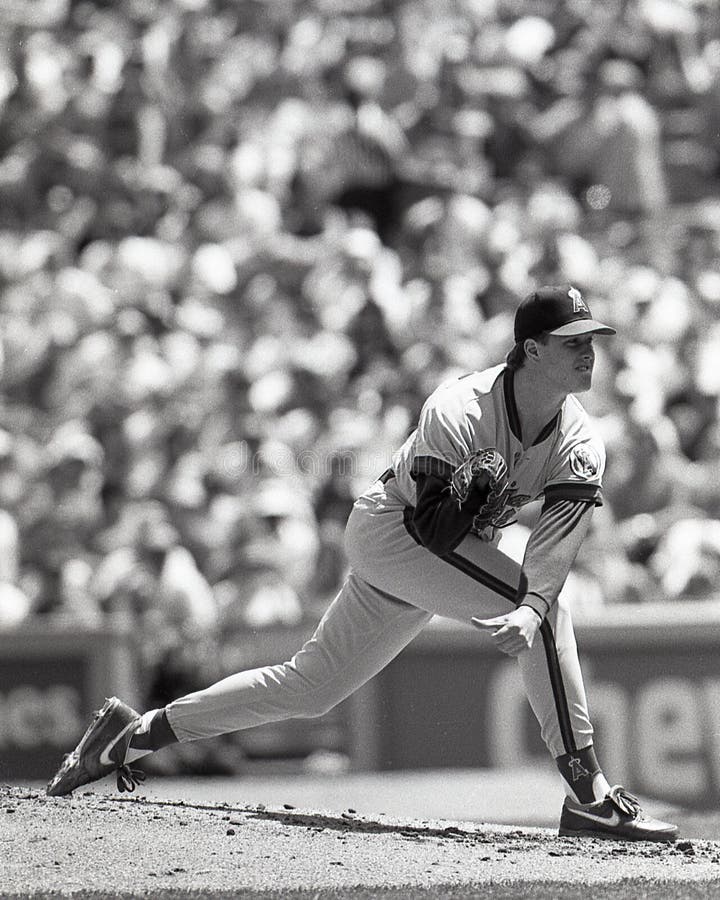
618,817
101,751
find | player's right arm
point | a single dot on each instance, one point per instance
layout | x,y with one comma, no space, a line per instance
439,522
443,440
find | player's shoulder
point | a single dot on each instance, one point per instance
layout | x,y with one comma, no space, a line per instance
578,453
459,390
573,412
576,425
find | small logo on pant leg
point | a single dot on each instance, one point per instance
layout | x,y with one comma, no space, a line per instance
577,769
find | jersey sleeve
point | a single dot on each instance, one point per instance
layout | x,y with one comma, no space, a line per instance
438,522
444,436
576,467
443,441
551,551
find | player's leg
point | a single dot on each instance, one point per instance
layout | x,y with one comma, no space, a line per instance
591,808
101,751
478,580
362,630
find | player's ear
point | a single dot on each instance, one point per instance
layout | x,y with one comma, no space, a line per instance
531,348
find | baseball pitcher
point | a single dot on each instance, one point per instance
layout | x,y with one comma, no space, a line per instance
423,541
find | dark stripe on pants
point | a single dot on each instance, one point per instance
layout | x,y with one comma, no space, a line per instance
503,589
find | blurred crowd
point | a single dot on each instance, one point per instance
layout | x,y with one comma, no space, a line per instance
241,241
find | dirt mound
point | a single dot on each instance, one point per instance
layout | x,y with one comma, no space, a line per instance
99,845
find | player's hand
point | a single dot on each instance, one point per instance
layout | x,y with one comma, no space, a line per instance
514,632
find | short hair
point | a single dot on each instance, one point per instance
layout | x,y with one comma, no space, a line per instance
516,357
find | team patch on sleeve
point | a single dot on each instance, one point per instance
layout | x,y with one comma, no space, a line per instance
585,461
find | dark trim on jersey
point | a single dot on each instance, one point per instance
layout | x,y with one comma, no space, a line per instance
431,465
508,592
514,417
512,413
547,430
573,490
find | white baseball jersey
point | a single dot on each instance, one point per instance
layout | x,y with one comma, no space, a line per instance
478,411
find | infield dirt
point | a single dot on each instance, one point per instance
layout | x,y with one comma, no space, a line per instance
101,845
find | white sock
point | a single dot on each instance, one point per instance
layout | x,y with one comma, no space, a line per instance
600,787
133,754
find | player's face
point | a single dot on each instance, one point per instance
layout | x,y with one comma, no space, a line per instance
568,362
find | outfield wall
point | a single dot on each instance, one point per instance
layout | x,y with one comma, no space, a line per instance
50,681
448,700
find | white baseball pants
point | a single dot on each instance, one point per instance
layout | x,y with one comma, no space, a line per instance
394,588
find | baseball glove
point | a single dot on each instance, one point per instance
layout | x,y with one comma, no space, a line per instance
483,470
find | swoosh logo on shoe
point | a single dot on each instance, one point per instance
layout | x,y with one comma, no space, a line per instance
612,820
105,755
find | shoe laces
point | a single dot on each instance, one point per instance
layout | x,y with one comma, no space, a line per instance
625,801
128,779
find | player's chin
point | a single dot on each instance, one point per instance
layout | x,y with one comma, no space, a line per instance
583,380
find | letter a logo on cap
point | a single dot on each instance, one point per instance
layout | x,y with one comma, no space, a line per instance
579,304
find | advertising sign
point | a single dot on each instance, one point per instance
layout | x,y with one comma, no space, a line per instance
50,682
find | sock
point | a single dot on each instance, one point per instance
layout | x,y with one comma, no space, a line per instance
153,733
582,776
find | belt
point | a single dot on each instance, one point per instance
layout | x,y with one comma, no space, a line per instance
387,475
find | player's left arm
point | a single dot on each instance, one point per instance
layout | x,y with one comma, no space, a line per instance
551,550
572,491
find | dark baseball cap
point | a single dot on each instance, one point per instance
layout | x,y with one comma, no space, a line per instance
556,309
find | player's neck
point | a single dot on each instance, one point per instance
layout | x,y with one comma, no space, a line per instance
536,403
